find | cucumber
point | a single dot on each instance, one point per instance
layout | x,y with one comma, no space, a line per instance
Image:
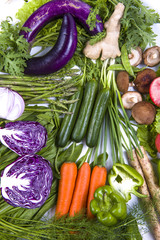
69,120
97,117
80,128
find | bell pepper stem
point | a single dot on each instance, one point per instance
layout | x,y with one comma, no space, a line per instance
138,194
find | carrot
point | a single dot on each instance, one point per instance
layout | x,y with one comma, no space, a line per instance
98,179
66,187
79,200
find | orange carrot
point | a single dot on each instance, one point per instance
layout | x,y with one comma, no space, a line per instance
79,201
98,179
66,188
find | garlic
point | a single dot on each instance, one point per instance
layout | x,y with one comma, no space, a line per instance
12,104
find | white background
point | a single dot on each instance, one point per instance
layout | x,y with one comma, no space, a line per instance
10,7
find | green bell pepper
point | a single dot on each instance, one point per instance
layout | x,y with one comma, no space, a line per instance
108,205
125,180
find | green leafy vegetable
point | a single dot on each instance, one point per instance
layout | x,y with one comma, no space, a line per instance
13,48
61,228
28,8
147,134
137,31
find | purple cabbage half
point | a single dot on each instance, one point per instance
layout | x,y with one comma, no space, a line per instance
24,137
27,182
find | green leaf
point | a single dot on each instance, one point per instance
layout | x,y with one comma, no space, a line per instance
13,48
146,135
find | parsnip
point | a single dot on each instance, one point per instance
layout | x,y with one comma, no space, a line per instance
153,219
150,177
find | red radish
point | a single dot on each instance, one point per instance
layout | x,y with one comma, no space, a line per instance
154,91
157,142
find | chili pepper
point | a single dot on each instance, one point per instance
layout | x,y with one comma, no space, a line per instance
108,205
125,180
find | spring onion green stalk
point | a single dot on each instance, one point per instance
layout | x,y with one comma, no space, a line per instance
122,133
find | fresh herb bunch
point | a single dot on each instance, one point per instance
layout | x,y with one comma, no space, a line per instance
84,229
136,25
13,48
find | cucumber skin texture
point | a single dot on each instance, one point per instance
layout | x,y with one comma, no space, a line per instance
86,108
97,117
68,121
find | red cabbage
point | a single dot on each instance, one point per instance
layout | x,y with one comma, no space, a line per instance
24,137
27,182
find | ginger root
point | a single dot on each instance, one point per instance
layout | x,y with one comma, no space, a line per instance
108,47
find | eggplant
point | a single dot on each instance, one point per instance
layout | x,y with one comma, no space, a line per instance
60,54
55,9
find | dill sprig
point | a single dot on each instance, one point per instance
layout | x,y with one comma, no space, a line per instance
77,227
13,48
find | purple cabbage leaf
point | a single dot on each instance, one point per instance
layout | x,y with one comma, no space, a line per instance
24,137
27,182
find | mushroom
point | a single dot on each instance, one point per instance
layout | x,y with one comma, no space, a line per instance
122,81
151,56
135,56
130,98
143,112
144,79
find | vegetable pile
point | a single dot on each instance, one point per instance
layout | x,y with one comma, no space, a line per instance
78,88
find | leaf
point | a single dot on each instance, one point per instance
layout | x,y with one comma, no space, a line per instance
13,48
146,135
70,154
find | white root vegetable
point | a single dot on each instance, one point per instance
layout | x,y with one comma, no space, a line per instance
150,177
108,47
153,218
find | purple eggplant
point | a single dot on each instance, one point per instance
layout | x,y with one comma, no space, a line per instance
55,9
60,54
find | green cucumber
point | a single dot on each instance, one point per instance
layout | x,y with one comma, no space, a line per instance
97,117
69,120
80,128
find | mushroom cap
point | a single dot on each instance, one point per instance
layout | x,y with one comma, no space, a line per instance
151,56
135,56
130,98
144,79
143,112
122,81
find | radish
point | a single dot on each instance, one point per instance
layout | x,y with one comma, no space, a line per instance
154,91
